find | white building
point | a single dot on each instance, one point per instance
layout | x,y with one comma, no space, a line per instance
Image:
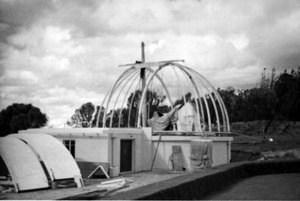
131,149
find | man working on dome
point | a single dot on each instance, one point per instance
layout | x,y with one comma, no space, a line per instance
160,123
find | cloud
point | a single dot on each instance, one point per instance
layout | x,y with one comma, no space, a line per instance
21,77
58,54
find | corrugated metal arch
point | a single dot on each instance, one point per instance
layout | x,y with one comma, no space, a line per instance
58,161
23,165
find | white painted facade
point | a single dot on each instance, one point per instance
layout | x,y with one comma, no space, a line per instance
91,145
102,145
221,149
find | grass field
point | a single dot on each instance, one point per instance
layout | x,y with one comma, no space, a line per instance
250,140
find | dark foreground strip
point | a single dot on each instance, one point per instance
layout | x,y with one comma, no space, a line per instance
200,184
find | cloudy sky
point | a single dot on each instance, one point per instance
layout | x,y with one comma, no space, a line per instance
59,54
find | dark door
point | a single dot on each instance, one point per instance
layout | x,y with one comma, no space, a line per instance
126,156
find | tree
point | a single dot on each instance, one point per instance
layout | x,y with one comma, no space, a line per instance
232,102
127,116
19,116
250,104
152,101
82,116
287,89
100,109
260,104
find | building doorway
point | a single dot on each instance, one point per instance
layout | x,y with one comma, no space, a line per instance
126,155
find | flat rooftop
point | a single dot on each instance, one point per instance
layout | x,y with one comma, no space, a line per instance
91,190
161,184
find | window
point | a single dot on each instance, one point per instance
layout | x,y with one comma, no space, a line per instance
70,144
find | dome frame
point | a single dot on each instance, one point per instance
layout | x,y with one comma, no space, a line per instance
134,85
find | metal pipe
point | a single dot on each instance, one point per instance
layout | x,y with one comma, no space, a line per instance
150,79
112,91
117,98
125,96
214,104
198,95
130,105
220,100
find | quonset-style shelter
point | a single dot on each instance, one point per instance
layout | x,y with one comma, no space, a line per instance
157,115
36,162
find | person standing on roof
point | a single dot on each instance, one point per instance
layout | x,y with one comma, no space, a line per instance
160,123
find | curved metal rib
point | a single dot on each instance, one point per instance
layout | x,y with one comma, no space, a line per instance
112,92
164,86
125,82
100,108
144,92
214,104
150,79
196,90
205,102
212,100
123,103
200,103
220,101
117,98
130,105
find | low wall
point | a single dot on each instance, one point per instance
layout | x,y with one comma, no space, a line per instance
221,149
200,184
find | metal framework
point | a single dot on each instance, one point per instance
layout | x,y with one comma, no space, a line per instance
210,108
170,79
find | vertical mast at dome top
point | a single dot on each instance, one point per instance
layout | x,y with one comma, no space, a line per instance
142,65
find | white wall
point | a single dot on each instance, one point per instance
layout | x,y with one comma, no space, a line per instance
115,154
220,151
91,144
145,149
91,150
141,146
103,144
165,150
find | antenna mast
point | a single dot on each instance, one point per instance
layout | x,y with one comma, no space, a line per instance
143,78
